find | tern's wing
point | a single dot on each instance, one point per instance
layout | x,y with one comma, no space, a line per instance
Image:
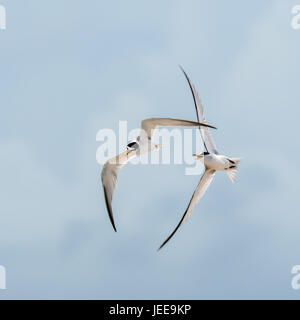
150,124
109,177
204,183
205,134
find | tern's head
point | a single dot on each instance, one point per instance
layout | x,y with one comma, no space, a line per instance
132,146
200,156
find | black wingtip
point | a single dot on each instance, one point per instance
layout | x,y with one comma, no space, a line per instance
112,222
165,242
181,68
212,127
177,227
161,246
109,210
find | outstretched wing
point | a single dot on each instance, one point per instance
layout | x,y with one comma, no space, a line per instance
208,141
204,183
148,125
109,177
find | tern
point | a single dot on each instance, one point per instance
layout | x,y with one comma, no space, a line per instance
212,160
142,144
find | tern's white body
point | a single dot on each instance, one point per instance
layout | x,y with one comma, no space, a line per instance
217,162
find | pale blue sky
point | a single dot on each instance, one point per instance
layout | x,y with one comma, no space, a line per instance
71,68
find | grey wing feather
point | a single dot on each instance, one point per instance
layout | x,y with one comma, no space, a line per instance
204,183
148,125
109,177
205,133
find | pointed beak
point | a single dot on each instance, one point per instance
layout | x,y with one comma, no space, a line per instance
198,156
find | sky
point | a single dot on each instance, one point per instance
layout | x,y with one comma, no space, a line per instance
71,68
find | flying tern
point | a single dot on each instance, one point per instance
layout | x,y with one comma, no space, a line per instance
142,144
212,160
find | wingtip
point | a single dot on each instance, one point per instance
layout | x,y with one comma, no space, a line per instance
165,242
113,223
109,210
181,68
160,247
207,125
212,127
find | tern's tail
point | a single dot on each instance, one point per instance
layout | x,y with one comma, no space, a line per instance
231,172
